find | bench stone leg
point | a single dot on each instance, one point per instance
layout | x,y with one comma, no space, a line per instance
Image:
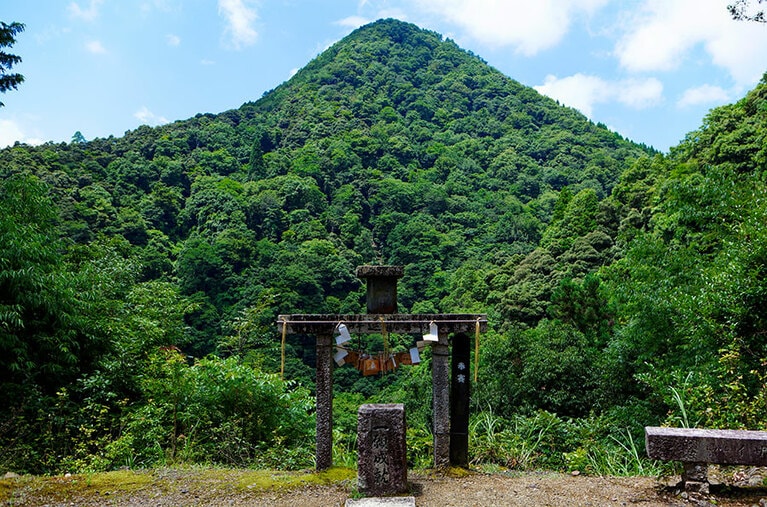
695,477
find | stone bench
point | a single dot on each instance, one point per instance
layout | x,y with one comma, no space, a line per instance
697,448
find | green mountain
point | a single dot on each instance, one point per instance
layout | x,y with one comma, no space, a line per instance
393,146
611,273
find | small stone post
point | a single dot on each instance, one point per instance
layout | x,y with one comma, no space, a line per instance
382,466
381,287
324,389
440,376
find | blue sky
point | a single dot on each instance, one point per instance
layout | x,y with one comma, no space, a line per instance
648,69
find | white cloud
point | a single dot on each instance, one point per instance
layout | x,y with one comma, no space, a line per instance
582,92
239,22
353,21
95,47
578,91
740,49
173,40
89,13
529,26
147,117
392,13
10,132
160,5
205,61
654,41
662,35
638,93
706,94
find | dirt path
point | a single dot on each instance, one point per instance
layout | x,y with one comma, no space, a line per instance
239,488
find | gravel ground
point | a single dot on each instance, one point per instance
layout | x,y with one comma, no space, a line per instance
231,488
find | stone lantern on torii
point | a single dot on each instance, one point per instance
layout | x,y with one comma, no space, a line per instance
451,413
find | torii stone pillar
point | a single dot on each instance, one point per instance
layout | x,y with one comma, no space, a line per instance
440,375
324,410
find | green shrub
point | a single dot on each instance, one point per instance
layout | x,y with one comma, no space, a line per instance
215,411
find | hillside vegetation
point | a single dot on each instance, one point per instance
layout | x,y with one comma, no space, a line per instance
141,276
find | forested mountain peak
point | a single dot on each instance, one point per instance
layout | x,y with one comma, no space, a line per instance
392,72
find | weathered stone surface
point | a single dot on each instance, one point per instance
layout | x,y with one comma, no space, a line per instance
695,477
697,472
382,460
381,287
324,390
724,447
440,377
697,448
370,271
325,323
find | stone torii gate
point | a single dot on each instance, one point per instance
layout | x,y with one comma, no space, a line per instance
381,307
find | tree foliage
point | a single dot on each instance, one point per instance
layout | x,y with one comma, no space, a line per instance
45,306
744,10
9,80
690,288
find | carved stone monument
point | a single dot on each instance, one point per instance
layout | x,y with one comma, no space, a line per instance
382,465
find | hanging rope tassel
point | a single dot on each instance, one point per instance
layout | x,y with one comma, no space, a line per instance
385,335
282,350
476,351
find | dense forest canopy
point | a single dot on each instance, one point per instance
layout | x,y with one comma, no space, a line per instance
140,276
